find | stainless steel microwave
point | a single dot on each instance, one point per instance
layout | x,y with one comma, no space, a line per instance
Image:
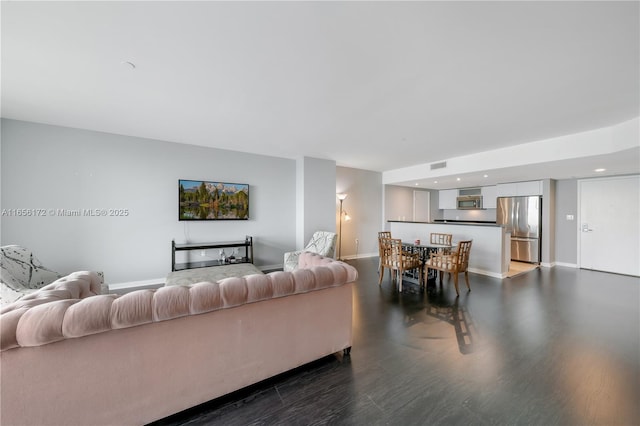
469,202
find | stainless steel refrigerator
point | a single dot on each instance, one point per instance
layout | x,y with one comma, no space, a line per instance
522,216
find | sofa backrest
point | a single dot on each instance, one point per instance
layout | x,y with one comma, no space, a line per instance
64,310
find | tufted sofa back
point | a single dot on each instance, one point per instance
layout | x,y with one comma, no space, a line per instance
72,307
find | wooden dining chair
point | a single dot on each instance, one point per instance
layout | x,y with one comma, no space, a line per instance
381,235
443,239
453,263
397,261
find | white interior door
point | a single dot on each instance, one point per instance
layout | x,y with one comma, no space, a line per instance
609,233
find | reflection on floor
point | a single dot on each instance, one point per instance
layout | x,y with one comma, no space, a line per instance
517,268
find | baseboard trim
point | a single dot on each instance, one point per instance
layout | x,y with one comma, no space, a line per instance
360,256
567,265
487,273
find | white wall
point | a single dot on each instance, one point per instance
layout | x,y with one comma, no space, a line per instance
488,215
49,167
363,203
487,252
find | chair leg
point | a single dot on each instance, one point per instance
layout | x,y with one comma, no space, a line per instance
381,275
455,282
440,273
466,277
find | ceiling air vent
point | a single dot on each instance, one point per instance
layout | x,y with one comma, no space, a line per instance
440,165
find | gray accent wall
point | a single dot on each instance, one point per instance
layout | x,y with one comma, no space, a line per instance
547,242
566,231
316,180
57,169
398,203
363,203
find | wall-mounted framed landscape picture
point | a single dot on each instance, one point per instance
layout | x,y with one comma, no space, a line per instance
205,200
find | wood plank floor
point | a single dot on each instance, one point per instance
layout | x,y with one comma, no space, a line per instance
555,346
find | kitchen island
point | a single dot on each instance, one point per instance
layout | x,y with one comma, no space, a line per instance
491,249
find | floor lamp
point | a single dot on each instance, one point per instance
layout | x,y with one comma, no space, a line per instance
341,197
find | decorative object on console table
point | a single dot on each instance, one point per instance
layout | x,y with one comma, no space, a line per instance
341,197
222,259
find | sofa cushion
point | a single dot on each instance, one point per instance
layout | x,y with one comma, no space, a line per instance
211,274
77,285
71,307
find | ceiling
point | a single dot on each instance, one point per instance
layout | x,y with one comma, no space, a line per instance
372,85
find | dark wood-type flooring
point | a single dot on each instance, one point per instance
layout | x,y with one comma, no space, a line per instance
557,346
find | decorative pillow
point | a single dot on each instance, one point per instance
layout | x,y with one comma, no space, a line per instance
21,270
9,295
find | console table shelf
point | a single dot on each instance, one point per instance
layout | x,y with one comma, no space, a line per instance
247,243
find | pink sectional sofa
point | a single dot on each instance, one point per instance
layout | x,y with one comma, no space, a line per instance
70,356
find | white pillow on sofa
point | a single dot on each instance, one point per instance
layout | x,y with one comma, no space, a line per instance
9,295
21,273
20,269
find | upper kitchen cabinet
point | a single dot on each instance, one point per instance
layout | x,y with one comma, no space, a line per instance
489,195
447,199
533,187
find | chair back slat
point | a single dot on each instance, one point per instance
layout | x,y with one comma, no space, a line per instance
464,248
382,235
386,252
442,239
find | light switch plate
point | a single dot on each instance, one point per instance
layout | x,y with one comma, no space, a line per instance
569,217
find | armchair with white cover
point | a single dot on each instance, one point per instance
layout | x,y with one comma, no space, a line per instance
322,243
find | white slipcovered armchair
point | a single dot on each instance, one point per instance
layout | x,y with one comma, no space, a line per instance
322,243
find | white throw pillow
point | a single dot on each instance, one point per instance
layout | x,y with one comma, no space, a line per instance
9,295
21,270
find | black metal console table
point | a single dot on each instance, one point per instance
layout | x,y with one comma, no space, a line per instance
247,258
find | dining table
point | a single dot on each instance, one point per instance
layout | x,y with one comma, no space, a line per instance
424,250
